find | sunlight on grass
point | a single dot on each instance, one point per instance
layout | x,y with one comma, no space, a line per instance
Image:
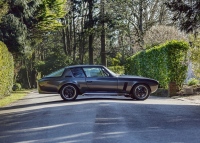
16,95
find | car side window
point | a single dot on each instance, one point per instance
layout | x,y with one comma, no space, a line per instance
77,72
67,73
94,72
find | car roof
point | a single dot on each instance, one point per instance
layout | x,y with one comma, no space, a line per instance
77,66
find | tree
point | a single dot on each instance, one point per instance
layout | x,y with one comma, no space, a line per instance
23,26
51,56
186,13
3,8
105,27
90,26
28,19
161,34
102,19
134,18
11,29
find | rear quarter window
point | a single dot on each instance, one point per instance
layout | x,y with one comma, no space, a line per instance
77,72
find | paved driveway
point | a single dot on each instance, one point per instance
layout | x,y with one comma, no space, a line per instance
46,119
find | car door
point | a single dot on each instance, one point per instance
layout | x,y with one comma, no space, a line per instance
98,79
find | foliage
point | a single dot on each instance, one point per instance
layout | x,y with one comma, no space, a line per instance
6,71
134,18
52,63
159,34
124,27
195,54
116,60
17,87
117,69
193,81
11,29
165,63
186,13
27,19
54,58
3,8
49,13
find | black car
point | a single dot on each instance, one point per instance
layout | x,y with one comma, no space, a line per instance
76,80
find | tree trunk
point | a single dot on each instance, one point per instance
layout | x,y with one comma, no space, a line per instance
103,51
90,2
64,40
140,23
74,34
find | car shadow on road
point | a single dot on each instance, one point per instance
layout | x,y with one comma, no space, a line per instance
62,102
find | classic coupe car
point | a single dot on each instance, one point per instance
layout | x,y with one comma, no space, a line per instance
76,80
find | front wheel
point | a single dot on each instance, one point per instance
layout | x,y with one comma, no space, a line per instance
140,92
69,93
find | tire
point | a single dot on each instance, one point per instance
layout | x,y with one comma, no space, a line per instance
140,92
69,92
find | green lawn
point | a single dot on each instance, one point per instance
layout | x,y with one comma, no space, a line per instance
16,95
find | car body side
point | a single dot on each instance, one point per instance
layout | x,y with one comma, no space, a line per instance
118,84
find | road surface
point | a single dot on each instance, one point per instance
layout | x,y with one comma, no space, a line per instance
98,119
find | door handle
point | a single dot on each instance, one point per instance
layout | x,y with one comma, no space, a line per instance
89,81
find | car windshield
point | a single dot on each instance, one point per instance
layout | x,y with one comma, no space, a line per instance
56,73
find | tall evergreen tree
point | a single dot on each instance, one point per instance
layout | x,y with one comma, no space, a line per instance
186,13
26,19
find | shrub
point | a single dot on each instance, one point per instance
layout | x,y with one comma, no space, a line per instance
193,81
17,87
6,71
117,69
195,54
165,63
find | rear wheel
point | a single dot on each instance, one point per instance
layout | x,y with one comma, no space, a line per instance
69,92
140,92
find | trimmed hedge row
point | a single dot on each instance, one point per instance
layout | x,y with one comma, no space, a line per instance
165,63
6,71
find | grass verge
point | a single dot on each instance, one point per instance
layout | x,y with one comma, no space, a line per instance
15,95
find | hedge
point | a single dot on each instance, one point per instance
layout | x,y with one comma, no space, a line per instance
6,71
165,63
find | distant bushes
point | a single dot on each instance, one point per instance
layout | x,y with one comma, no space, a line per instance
117,69
193,81
165,63
16,87
6,70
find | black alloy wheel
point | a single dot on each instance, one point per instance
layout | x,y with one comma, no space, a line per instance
140,92
69,92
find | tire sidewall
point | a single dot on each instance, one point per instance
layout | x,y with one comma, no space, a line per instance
134,94
64,97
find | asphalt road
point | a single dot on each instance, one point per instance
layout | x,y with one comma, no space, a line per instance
48,119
